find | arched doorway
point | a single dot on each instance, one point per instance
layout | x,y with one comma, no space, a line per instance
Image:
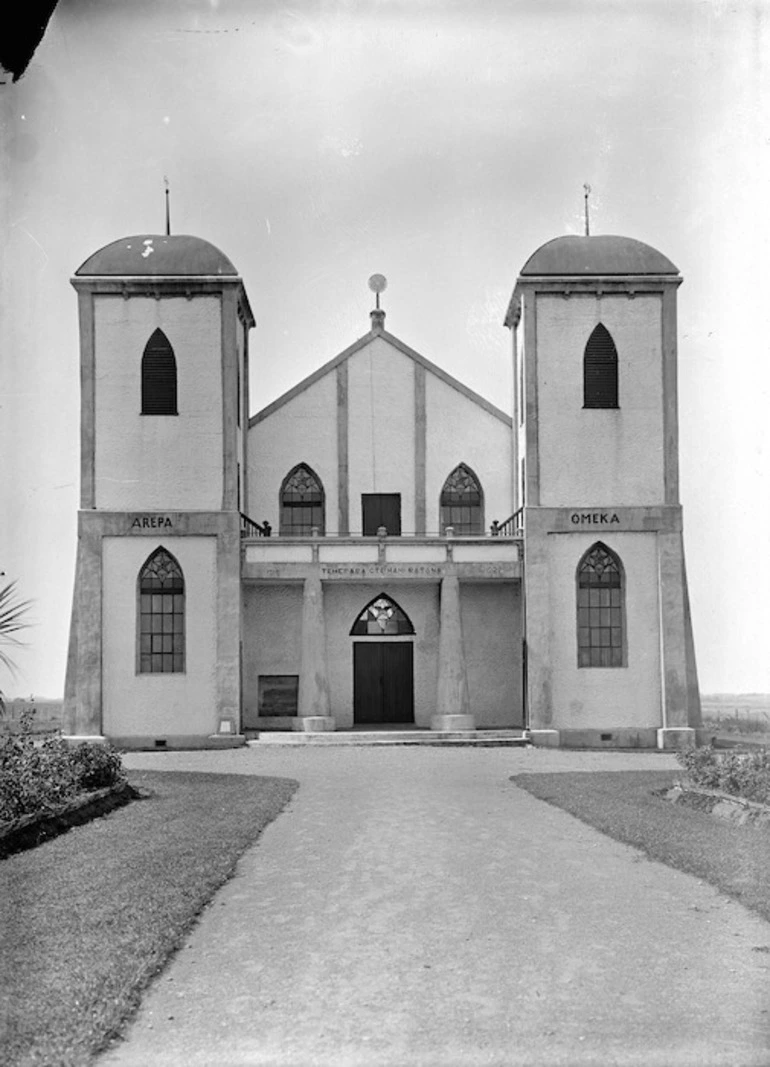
383,664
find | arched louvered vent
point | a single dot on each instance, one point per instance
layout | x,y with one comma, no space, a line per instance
600,370
159,377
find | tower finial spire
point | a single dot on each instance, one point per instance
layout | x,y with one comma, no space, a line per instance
168,208
586,193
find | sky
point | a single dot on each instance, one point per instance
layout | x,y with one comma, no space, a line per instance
438,142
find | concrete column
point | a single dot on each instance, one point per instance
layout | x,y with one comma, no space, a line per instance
82,719
537,606
313,680
453,704
676,728
228,624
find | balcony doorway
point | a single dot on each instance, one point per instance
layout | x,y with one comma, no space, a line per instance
381,509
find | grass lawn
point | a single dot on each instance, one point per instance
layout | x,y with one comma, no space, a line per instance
621,804
88,918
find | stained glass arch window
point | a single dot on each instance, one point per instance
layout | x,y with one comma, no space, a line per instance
161,615
302,502
382,617
600,370
159,385
600,609
462,502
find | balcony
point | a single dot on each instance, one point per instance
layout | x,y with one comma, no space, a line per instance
492,557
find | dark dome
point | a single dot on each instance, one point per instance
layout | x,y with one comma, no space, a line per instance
157,254
597,255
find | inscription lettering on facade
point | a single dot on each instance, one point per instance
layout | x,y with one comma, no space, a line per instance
152,522
383,570
594,518
416,570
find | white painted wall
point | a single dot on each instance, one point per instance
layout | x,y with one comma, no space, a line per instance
519,428
303,430
596,697
600,456
243,419
381,441
158,462
460,431
158,704
272,638
492,635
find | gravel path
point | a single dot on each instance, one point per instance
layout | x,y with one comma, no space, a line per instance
412,906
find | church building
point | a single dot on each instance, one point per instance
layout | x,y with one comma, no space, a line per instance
380,547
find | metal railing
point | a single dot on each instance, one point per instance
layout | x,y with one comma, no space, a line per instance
249,528
511,527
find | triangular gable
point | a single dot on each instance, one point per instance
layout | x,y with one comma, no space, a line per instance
399,345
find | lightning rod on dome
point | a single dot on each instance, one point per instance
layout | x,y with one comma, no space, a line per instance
586,193
168,208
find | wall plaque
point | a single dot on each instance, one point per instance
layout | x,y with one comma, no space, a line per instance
152,522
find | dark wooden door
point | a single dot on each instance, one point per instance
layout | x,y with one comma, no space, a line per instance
381,509
383,682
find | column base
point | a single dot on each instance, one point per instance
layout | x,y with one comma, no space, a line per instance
89,739
227,740
673,737
452,723
544,738
315,724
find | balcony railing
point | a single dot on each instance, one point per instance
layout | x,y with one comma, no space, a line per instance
249,528
511,527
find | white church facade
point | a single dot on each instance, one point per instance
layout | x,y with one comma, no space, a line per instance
380,547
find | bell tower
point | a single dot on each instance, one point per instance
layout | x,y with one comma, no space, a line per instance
610,654
154,654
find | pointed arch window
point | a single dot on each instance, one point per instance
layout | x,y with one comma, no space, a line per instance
600,609
462,502
382,617
600,370
159,376
302,503
161,615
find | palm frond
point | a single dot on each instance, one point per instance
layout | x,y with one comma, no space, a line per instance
12,612
13,618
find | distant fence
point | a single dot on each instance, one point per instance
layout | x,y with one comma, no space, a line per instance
48,714
738,715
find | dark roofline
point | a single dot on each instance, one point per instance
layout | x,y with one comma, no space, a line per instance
362,342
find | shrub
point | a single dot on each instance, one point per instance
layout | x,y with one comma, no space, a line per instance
743,774
37,778
97,765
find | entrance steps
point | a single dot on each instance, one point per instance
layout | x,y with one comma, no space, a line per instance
473,738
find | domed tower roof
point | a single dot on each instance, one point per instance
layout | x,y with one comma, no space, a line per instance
604,255
155,255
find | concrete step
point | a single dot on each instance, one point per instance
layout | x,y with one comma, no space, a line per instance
476,738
